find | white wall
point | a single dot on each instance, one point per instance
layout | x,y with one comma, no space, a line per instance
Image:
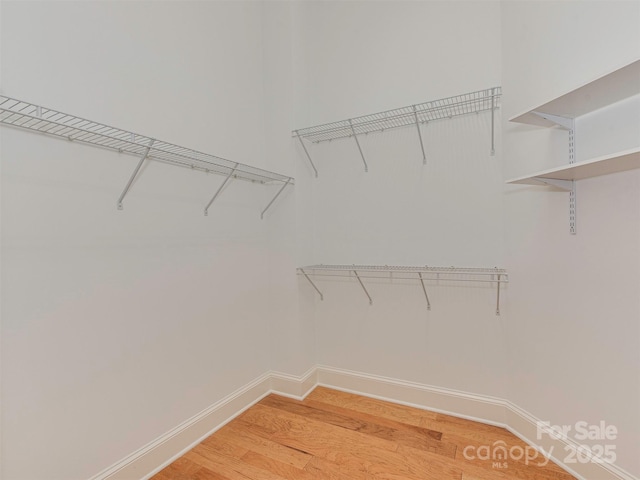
574,335
97,359
118,326
355,58
290,228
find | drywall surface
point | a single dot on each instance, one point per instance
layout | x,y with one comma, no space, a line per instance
574,301
356,58
119,325
290,228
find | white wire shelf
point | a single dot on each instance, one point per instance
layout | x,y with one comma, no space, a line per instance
495,276
413,115
38,119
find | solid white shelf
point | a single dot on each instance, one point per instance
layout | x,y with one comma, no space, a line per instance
46,121
607,164
594,95
496,276
562,111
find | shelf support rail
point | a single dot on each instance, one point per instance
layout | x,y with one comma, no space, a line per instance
355,137
304,147
233,170
363,287
572,192
312,284
424,289
134,174
493,128
570,125
415,115
284,185
498,296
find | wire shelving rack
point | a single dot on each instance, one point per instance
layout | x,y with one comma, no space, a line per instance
412,115
35,118
422,274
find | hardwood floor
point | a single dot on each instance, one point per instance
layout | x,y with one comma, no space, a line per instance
333,435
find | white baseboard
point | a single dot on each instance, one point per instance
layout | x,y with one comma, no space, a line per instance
151,458
561,450
481,408
154,456
292,386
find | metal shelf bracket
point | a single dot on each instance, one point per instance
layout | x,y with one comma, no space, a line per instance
570,186
415,115
355,137
312,284
566,185
363,287
274,198
134,174
304,147
424,289
565,122
233,170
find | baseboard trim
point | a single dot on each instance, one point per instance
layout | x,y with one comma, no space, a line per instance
153,457
293,386
480,408
525,426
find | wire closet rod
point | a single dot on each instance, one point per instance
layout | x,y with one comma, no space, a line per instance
495,276
38,119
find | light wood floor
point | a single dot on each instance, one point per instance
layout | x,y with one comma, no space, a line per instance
333,435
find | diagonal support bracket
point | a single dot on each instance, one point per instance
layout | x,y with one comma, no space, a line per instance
274,198
226,180
424,289
363,287
355,137
415,115
304,147
312,284
134,174
566,185
564,122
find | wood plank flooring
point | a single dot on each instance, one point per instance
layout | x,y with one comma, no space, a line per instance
333,435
